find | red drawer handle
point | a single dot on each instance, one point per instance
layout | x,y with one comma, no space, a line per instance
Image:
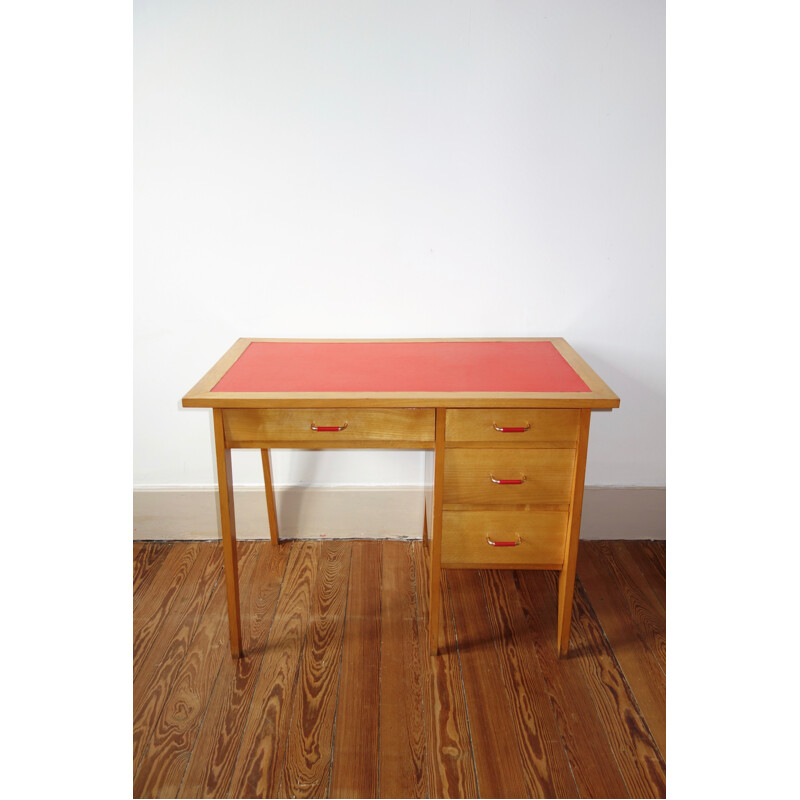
512,430
509,481
315,427
503,544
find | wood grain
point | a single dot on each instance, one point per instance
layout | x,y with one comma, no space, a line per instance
629,640
540,537
636,752
542,426
167,753
402,737
635,561
584,739
157,598
148,557
449,763
356,762
307,766
544,762
164,658
263,737
644,600
497,710
434,603
212,760
546,475
398,427
228,526
272,509
566,579
650,558
660,550
491,724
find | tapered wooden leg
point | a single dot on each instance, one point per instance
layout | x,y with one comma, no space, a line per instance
225,481
566,580
566,587
430,460
436,548
271,512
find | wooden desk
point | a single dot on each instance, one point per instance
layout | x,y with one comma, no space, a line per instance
506,422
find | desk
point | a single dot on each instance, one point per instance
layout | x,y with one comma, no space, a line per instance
505,423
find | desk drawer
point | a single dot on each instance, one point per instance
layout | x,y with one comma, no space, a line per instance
508,477
538,539
329,427
513,426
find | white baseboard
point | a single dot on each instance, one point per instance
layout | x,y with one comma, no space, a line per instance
345,512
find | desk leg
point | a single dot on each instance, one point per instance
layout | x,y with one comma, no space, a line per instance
271,511
436,533
427,525
225,481
566,580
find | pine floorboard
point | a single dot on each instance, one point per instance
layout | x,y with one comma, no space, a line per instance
147,557
338,697
355,767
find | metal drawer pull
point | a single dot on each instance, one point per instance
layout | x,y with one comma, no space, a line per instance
503,544
315,427
507,481
512,430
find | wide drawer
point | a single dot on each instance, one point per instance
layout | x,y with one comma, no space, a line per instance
510,476
503,538
329,427
513,426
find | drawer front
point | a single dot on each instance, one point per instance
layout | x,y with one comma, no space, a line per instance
538,538
513,426
329,427
508,477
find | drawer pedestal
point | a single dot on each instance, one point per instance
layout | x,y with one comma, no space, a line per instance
508,494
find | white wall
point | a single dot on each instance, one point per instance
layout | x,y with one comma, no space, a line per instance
396,169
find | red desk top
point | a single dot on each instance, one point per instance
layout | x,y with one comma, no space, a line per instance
435,366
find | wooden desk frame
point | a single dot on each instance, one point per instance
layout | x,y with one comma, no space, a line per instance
201,395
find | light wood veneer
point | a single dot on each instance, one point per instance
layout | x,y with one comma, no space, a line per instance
411,428
506,467
471,476
497,427
466,537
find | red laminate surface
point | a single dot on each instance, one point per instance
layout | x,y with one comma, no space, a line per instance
401,367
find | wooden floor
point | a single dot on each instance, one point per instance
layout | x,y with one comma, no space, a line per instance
337,697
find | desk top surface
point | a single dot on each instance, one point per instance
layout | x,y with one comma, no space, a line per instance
391,373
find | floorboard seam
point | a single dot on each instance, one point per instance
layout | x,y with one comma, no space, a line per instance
461,676
246,716
380,667
146,746
339,681
613,655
